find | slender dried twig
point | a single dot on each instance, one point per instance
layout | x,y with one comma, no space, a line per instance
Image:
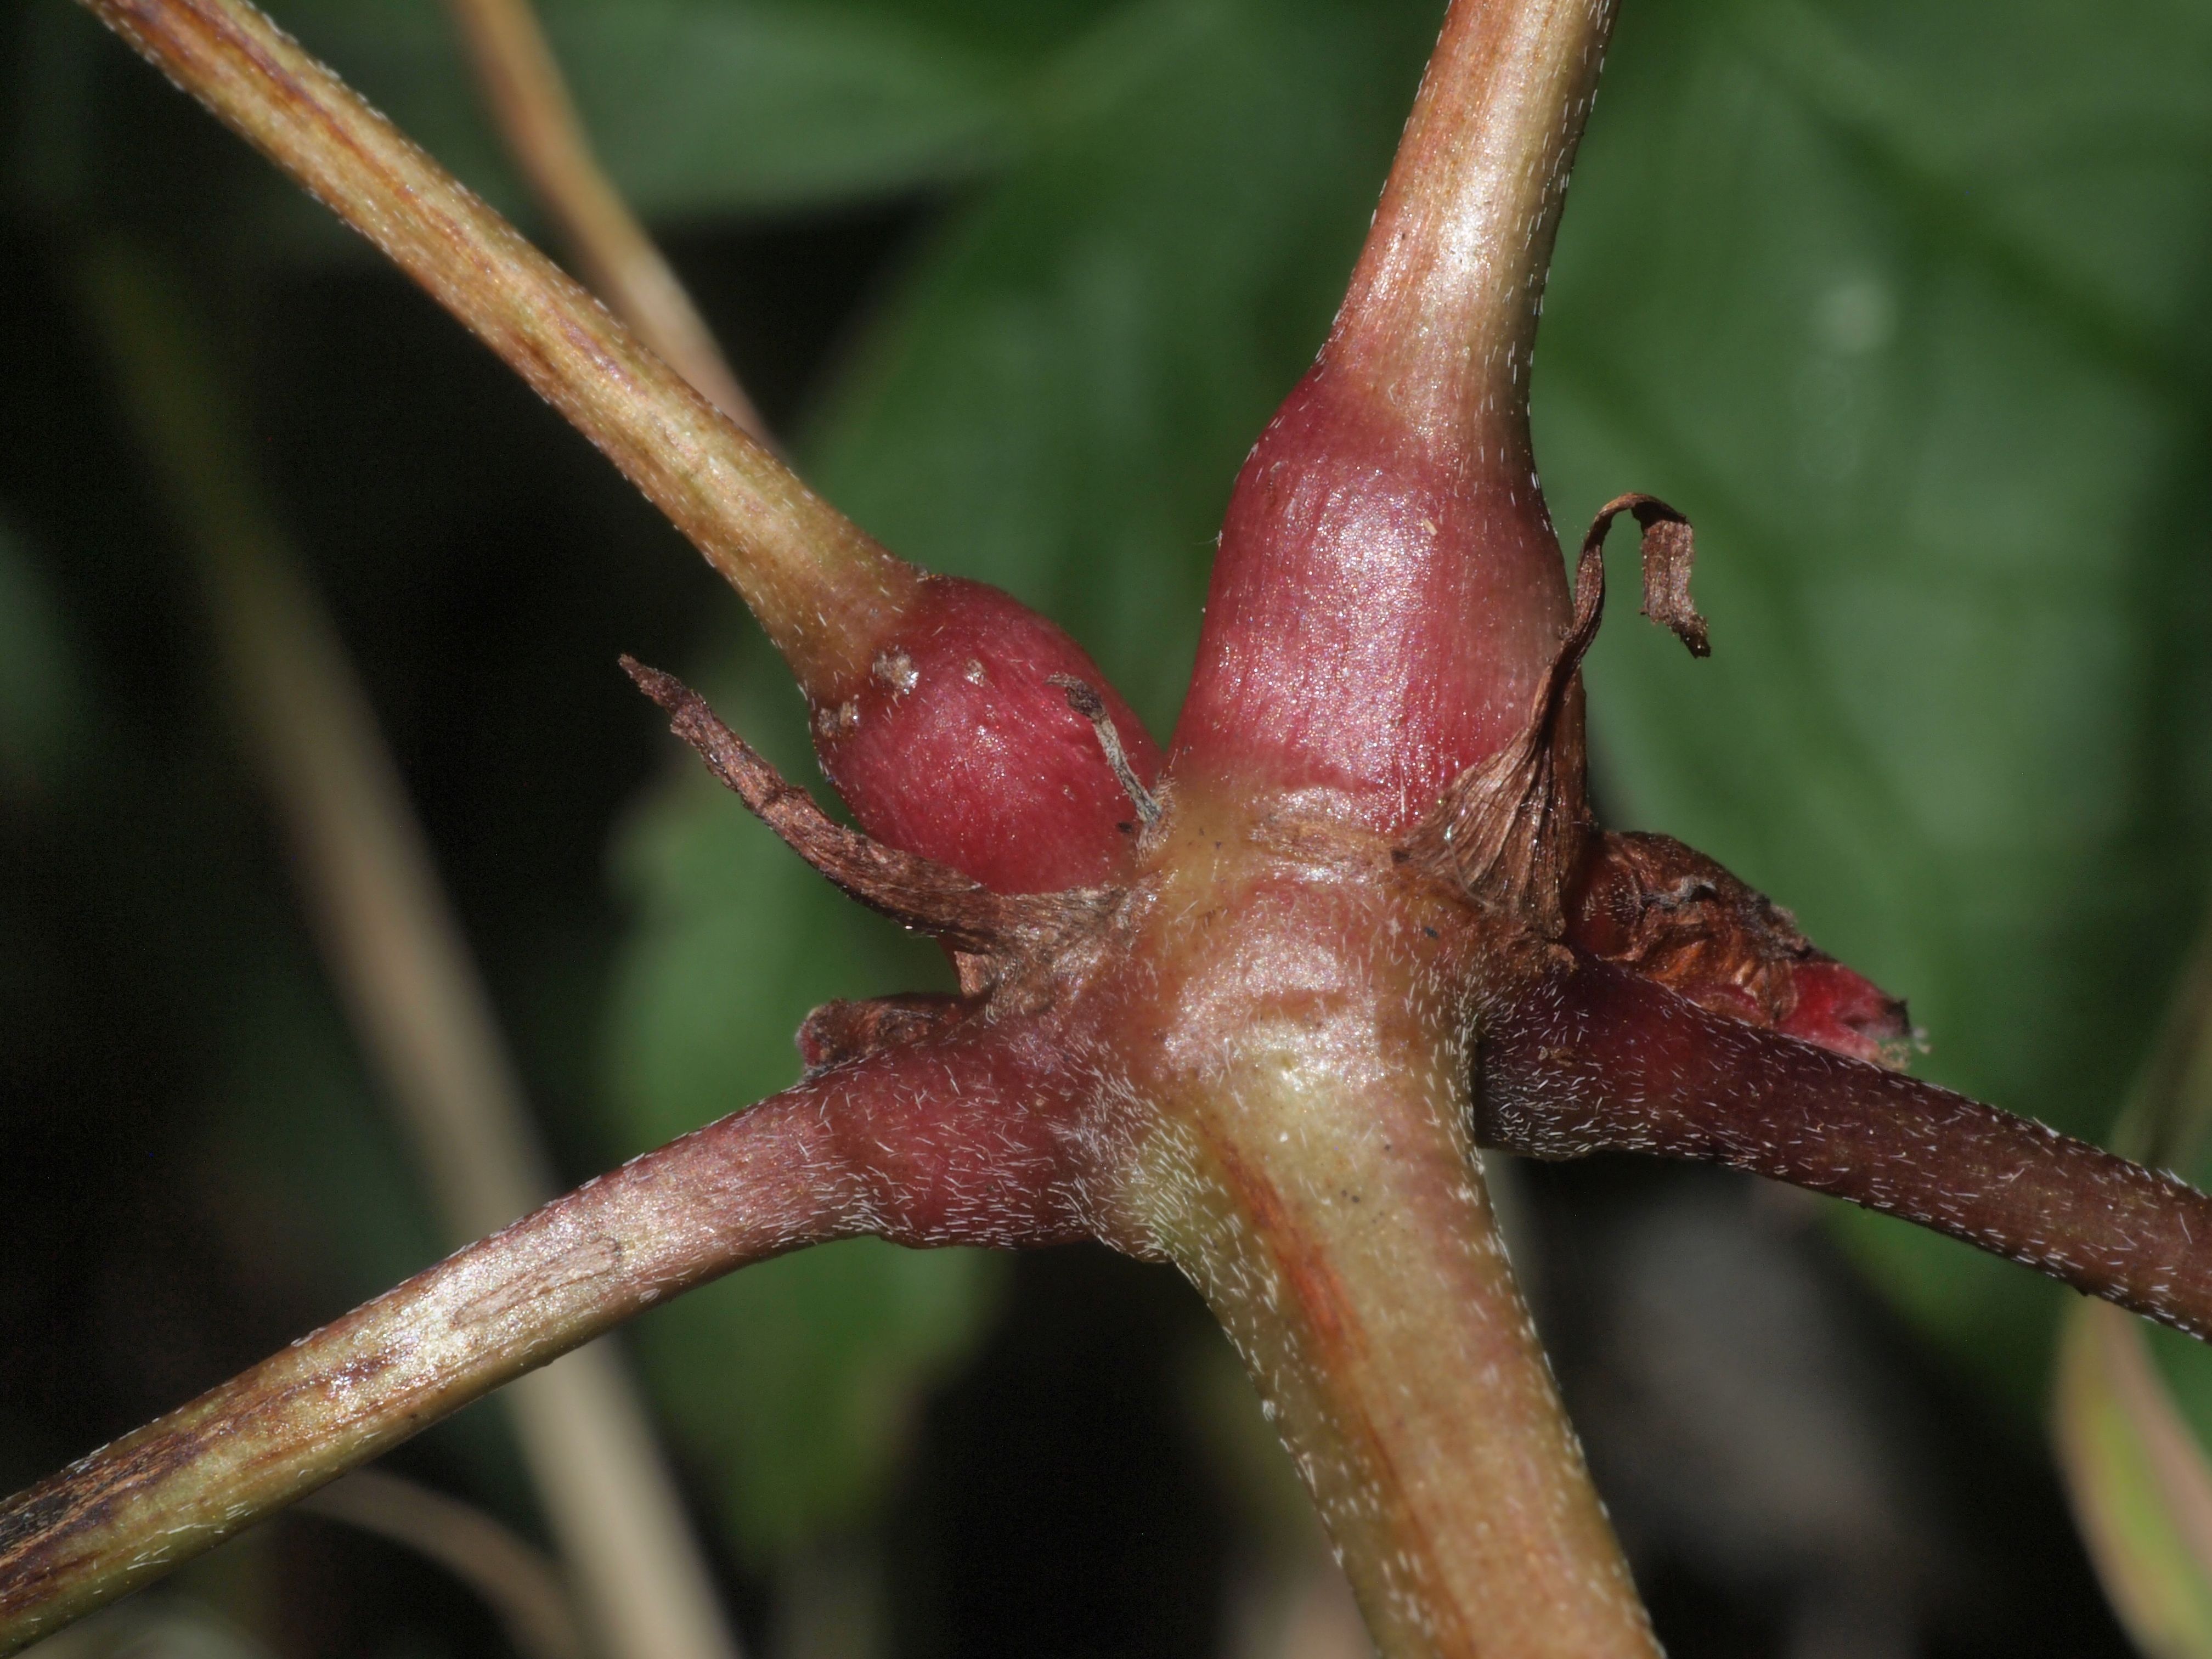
529,102
822,588
403,968
1600,1059
519,1583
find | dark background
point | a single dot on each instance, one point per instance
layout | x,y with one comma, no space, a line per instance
1904,306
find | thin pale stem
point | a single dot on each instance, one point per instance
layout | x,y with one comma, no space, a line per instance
825,592
953,1142
393,946
529,102
1598,1059
518,1582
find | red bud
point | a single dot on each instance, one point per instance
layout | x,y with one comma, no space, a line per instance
954,745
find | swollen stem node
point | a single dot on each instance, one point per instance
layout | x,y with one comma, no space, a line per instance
1387,591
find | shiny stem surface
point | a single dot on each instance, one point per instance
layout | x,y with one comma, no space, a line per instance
1390,590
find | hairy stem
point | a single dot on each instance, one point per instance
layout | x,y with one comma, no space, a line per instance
942,1144
903,671
747,1187
825,592
1440,320
1369,1293
529,103
1314,1174
1600,1059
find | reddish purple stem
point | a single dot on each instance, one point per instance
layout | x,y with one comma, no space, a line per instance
952,1140
1598,1059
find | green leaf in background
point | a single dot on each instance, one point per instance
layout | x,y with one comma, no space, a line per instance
1898,306
41,690
2131,1422
797,1380
705,106
1825,283
1902,307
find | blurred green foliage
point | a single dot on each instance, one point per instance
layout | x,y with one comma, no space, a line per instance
1903,306
40,693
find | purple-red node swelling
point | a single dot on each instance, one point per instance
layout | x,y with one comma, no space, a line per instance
955,746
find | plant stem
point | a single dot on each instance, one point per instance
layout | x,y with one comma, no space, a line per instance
1373,1304
825,592
751,1186
398,959
1389,589
902,670
1315,1177
1440,318
529,103
1600,1059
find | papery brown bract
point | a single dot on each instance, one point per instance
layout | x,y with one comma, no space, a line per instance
1648,903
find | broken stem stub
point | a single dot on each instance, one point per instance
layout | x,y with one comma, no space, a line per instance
987,932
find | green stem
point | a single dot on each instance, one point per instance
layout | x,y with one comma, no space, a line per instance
1313,1173
1440,318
